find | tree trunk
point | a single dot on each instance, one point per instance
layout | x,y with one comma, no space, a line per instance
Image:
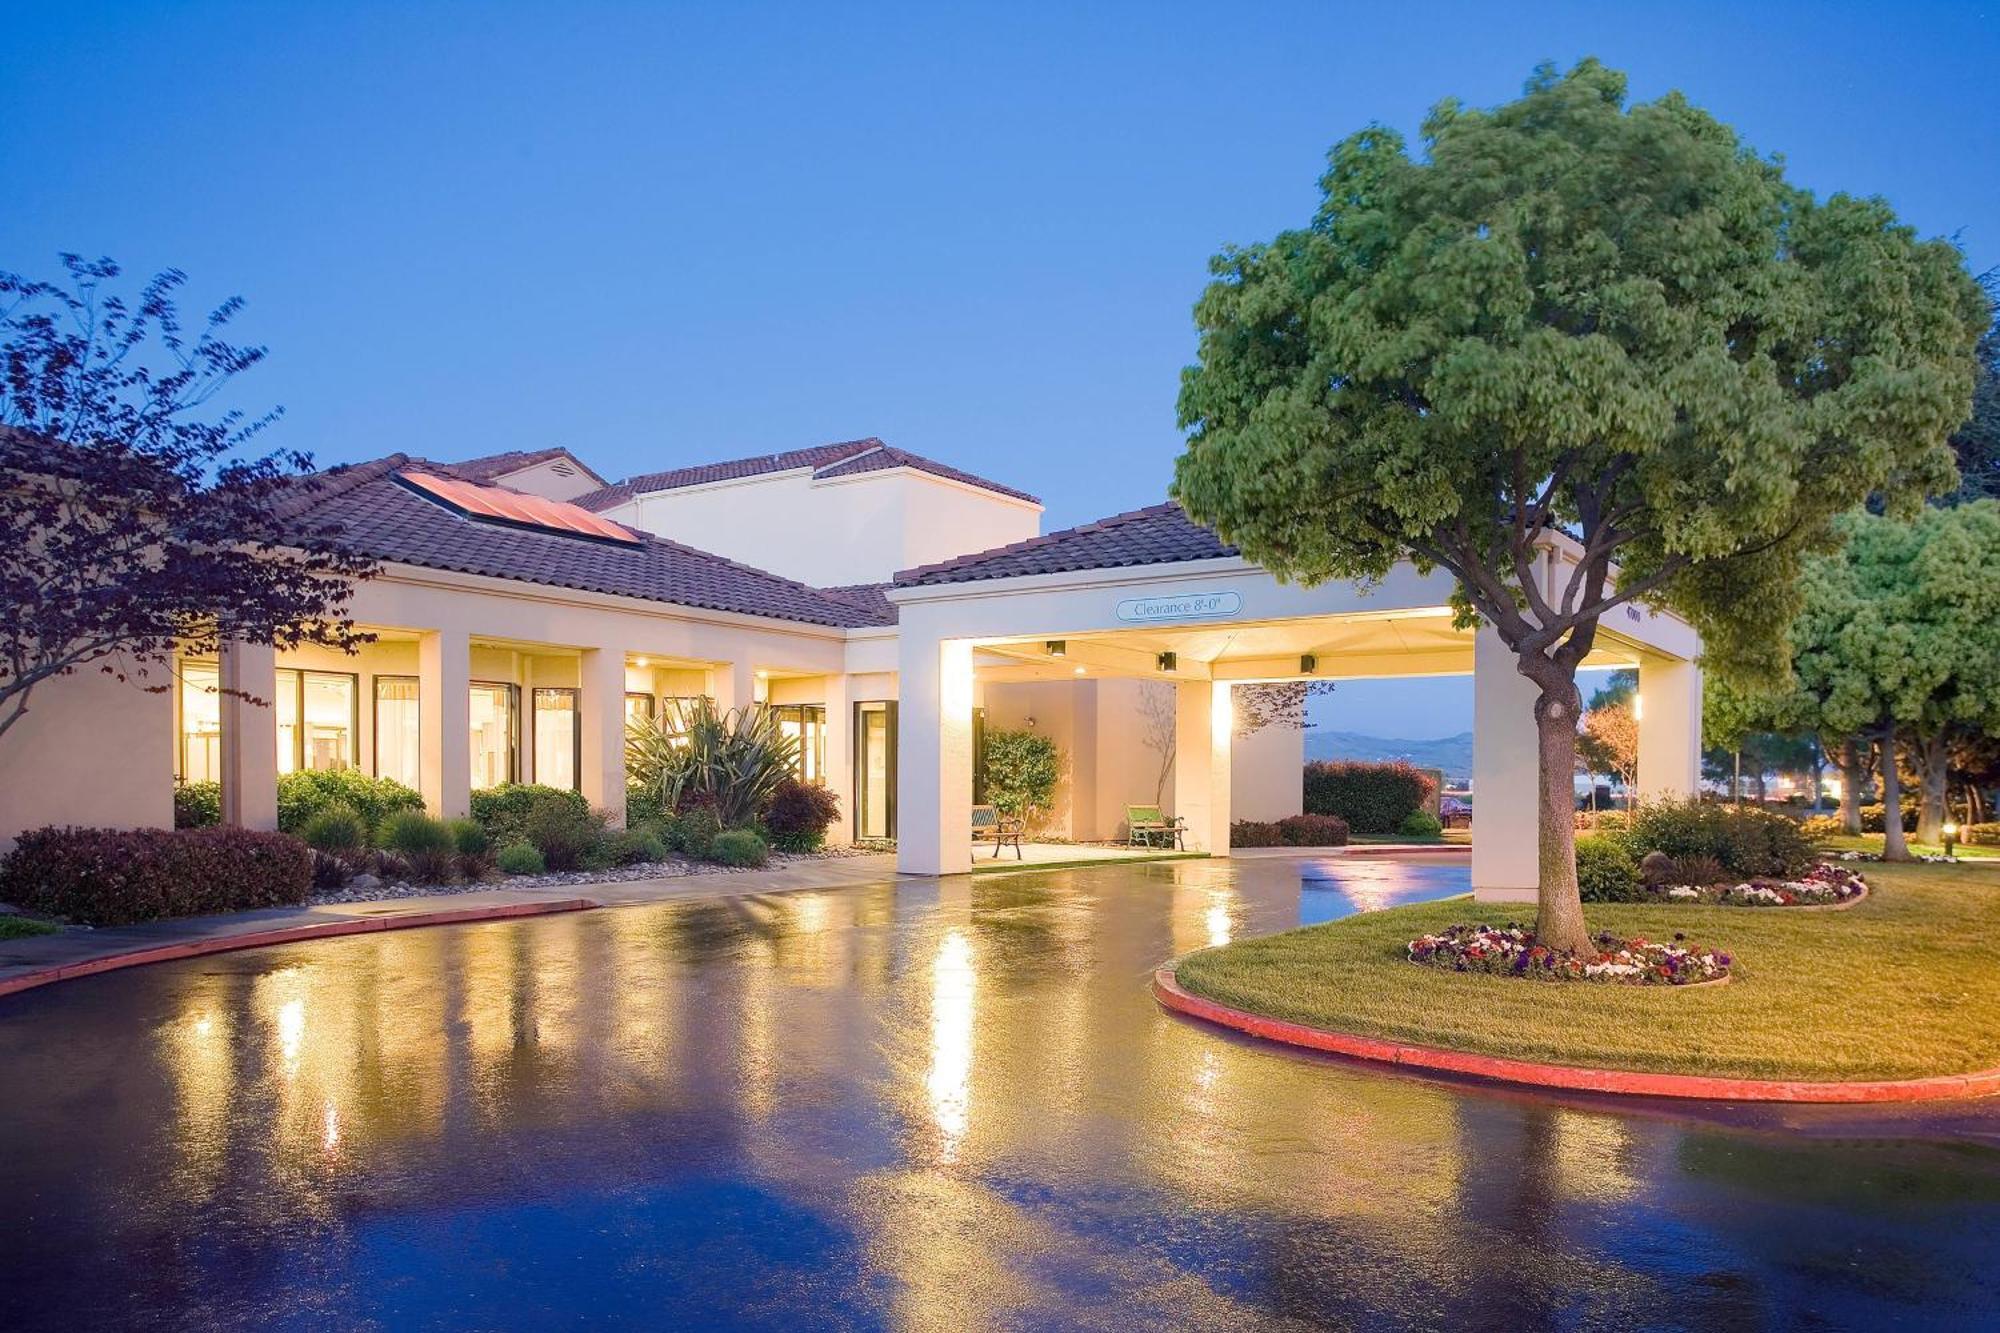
1558,908
1930,797
1736,783
1758,778
1818,776
1894,847
1851,777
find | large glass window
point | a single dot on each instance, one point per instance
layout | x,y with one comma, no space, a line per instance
496,730
287,706
806,724
639,708
556,738
398,730
875,769
200,751
327,726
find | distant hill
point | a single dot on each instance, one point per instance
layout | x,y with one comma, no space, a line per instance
1453,754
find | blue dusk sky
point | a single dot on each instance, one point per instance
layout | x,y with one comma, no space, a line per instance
664,234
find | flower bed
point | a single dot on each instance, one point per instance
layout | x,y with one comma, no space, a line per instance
1511,951
1824,885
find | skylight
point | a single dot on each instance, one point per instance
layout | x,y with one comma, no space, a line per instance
497,505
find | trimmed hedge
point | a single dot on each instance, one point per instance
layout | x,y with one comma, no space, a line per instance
304,794
1255,833
1980,835
1606,873
1313,831
1372,798
739,847
1875,817
110,877
503,811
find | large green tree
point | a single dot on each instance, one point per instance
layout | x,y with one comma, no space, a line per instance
1575,323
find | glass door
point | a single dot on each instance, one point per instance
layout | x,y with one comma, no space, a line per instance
496,727
875,769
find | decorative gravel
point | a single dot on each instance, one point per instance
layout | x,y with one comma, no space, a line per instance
360,890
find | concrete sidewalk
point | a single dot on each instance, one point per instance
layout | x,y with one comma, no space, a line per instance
40,959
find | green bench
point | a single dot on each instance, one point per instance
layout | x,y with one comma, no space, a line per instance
989,825
1146,826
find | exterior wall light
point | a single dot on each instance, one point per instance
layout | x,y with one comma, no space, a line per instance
1058,648
1308,663
1169,661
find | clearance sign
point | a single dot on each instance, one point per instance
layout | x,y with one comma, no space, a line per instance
1180,606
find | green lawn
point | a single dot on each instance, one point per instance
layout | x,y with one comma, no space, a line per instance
1903,985
19,927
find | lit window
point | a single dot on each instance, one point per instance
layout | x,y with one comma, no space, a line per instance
287,704
398,730
200,752
556,738
805,724
638,708
326,707
494,729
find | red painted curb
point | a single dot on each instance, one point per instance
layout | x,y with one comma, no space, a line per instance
446,916
1949,1087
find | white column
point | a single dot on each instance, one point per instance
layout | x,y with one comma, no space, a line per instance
1204,720
1669,704
838,773
732,685
1506,763
934,758
249,735
444,722
601,709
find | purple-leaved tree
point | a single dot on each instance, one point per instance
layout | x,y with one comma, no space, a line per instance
134,524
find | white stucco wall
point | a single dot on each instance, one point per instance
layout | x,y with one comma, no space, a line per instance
1267,773
838,530
89,751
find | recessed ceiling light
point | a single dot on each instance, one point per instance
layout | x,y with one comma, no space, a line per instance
1079,671
640,661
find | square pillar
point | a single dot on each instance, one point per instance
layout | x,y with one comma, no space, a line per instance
732,685
444,722
934,758
1669,706
249,735
1506,768
601,715
1204,722
838,774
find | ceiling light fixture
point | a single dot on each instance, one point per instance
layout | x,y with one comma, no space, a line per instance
1169,661
1058,648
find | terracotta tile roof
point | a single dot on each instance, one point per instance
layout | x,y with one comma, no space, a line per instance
827,460
869,597
499,465
1156,535
380,517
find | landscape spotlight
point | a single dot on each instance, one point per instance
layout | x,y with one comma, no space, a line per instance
1950,831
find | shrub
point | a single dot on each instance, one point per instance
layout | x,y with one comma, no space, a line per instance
1606,873
693,832
1980,835
1372,798
1255,833
739,847
1818,828
1701,870
334,828
330,871
469,837
635,846
732,760
503,810
426,845
521,858
106,877
800,814
1874,817
1747,842
1312,831
644,807
1420,824
304,794
198,805
1022,768
566,833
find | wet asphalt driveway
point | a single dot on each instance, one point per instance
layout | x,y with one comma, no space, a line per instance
913,1105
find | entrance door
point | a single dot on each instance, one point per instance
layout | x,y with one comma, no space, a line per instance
875,769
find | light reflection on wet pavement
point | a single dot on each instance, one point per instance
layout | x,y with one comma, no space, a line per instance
915,1105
